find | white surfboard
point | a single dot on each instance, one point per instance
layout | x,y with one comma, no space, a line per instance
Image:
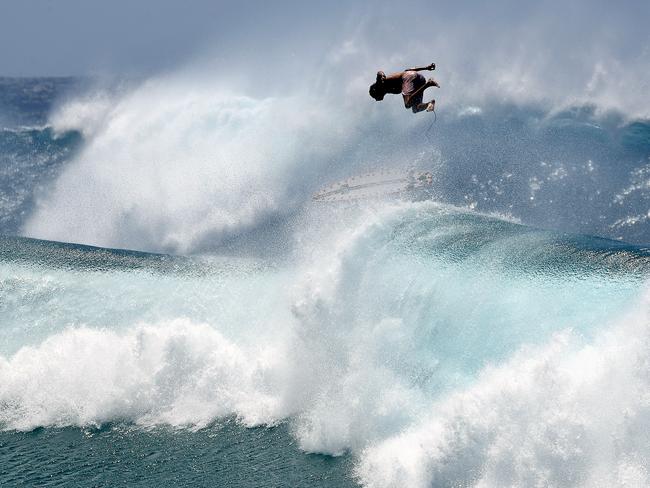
374,185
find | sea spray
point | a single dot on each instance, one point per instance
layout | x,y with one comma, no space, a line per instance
179,166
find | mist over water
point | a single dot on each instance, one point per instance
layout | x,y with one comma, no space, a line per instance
478,337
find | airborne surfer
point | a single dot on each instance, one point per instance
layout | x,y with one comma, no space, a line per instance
409,83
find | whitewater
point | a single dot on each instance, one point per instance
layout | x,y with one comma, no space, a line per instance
434,344
175,309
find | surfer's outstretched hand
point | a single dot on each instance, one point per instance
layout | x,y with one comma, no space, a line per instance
432,82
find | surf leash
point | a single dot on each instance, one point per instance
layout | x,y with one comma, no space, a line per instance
428,131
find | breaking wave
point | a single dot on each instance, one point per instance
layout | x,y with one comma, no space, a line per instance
427,340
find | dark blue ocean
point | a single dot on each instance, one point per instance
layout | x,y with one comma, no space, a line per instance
175,310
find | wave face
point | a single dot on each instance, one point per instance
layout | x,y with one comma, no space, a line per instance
428,340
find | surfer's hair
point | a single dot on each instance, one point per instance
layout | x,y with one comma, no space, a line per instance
377,88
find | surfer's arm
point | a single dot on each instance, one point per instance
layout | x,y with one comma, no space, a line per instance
429,67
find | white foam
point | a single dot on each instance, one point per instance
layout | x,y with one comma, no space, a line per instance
179,373
563,414
560,415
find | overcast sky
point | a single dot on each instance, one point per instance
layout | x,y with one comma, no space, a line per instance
75,37
60,37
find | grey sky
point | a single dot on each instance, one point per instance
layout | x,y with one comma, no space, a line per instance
60,37
511,42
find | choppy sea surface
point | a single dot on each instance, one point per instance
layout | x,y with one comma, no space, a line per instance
175,310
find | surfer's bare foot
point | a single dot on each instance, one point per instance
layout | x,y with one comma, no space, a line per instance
431,106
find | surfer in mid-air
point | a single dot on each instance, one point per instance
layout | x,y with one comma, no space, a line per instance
409,83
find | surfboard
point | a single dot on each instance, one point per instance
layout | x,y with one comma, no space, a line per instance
374,185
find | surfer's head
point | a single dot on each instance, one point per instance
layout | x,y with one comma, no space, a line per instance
377,89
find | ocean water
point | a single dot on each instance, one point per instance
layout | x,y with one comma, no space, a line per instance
176,311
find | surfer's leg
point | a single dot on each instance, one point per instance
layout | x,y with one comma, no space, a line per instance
429,107
413,102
